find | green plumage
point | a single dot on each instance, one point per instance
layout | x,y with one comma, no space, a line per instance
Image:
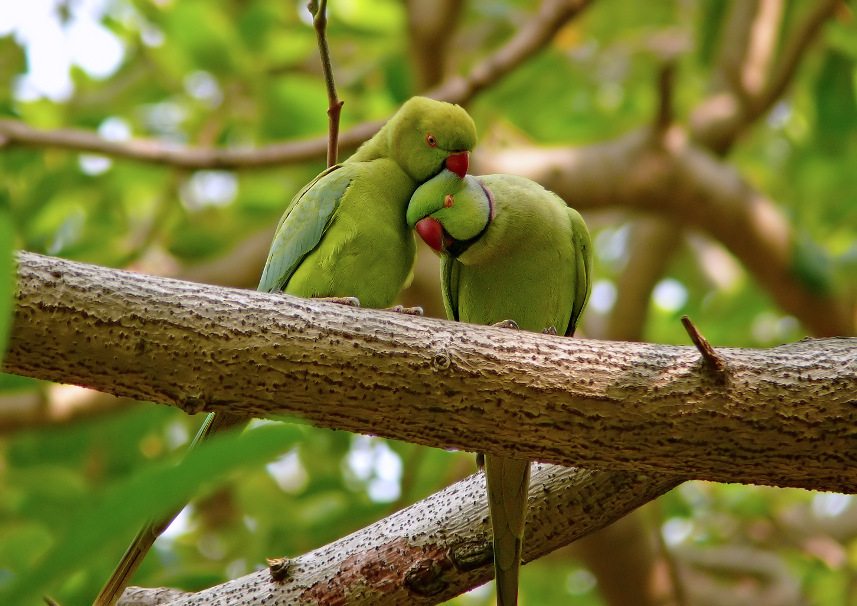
510,250
344,235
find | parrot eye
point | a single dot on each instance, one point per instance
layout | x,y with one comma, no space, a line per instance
431,140
448,201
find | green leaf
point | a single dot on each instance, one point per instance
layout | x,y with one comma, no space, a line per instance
153,491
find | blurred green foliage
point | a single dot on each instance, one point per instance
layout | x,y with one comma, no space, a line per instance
7,270
232,73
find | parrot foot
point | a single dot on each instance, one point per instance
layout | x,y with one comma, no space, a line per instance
550,330
505,324
411,311
352,301
480,461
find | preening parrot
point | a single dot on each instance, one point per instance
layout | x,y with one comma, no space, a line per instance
510,250
344,235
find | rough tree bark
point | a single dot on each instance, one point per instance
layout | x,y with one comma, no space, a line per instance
782,416
436,548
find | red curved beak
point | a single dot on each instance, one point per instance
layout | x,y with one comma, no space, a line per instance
458,163
431,231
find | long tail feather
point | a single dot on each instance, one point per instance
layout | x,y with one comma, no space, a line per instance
508,482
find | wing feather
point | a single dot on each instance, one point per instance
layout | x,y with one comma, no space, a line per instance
303,225
582,246
450,269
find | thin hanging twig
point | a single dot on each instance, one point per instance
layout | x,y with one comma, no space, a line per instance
319,22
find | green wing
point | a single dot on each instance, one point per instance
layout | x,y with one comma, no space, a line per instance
582,246
303,225
449,272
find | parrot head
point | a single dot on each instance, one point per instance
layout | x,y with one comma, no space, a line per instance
427,136
450,212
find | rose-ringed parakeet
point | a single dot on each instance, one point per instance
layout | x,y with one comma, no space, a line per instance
344,235
510,250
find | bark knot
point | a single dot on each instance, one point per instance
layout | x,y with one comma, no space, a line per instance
424,578
441,361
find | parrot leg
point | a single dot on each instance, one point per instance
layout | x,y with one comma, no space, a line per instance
411,311
550,330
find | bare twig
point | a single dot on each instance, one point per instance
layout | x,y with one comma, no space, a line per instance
677,584
17,133
735,34
319,22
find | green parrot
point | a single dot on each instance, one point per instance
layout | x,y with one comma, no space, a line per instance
512,253
344,236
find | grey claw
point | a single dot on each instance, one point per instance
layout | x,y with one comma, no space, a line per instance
505,324
351,301
411,311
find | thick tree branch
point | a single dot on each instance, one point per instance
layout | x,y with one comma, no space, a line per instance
530,39
676,178
784,416
439,547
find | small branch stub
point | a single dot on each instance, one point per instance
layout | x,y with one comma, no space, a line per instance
470,555
424,578
279,568
710,357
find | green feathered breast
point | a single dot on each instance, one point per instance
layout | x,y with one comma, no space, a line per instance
531,265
